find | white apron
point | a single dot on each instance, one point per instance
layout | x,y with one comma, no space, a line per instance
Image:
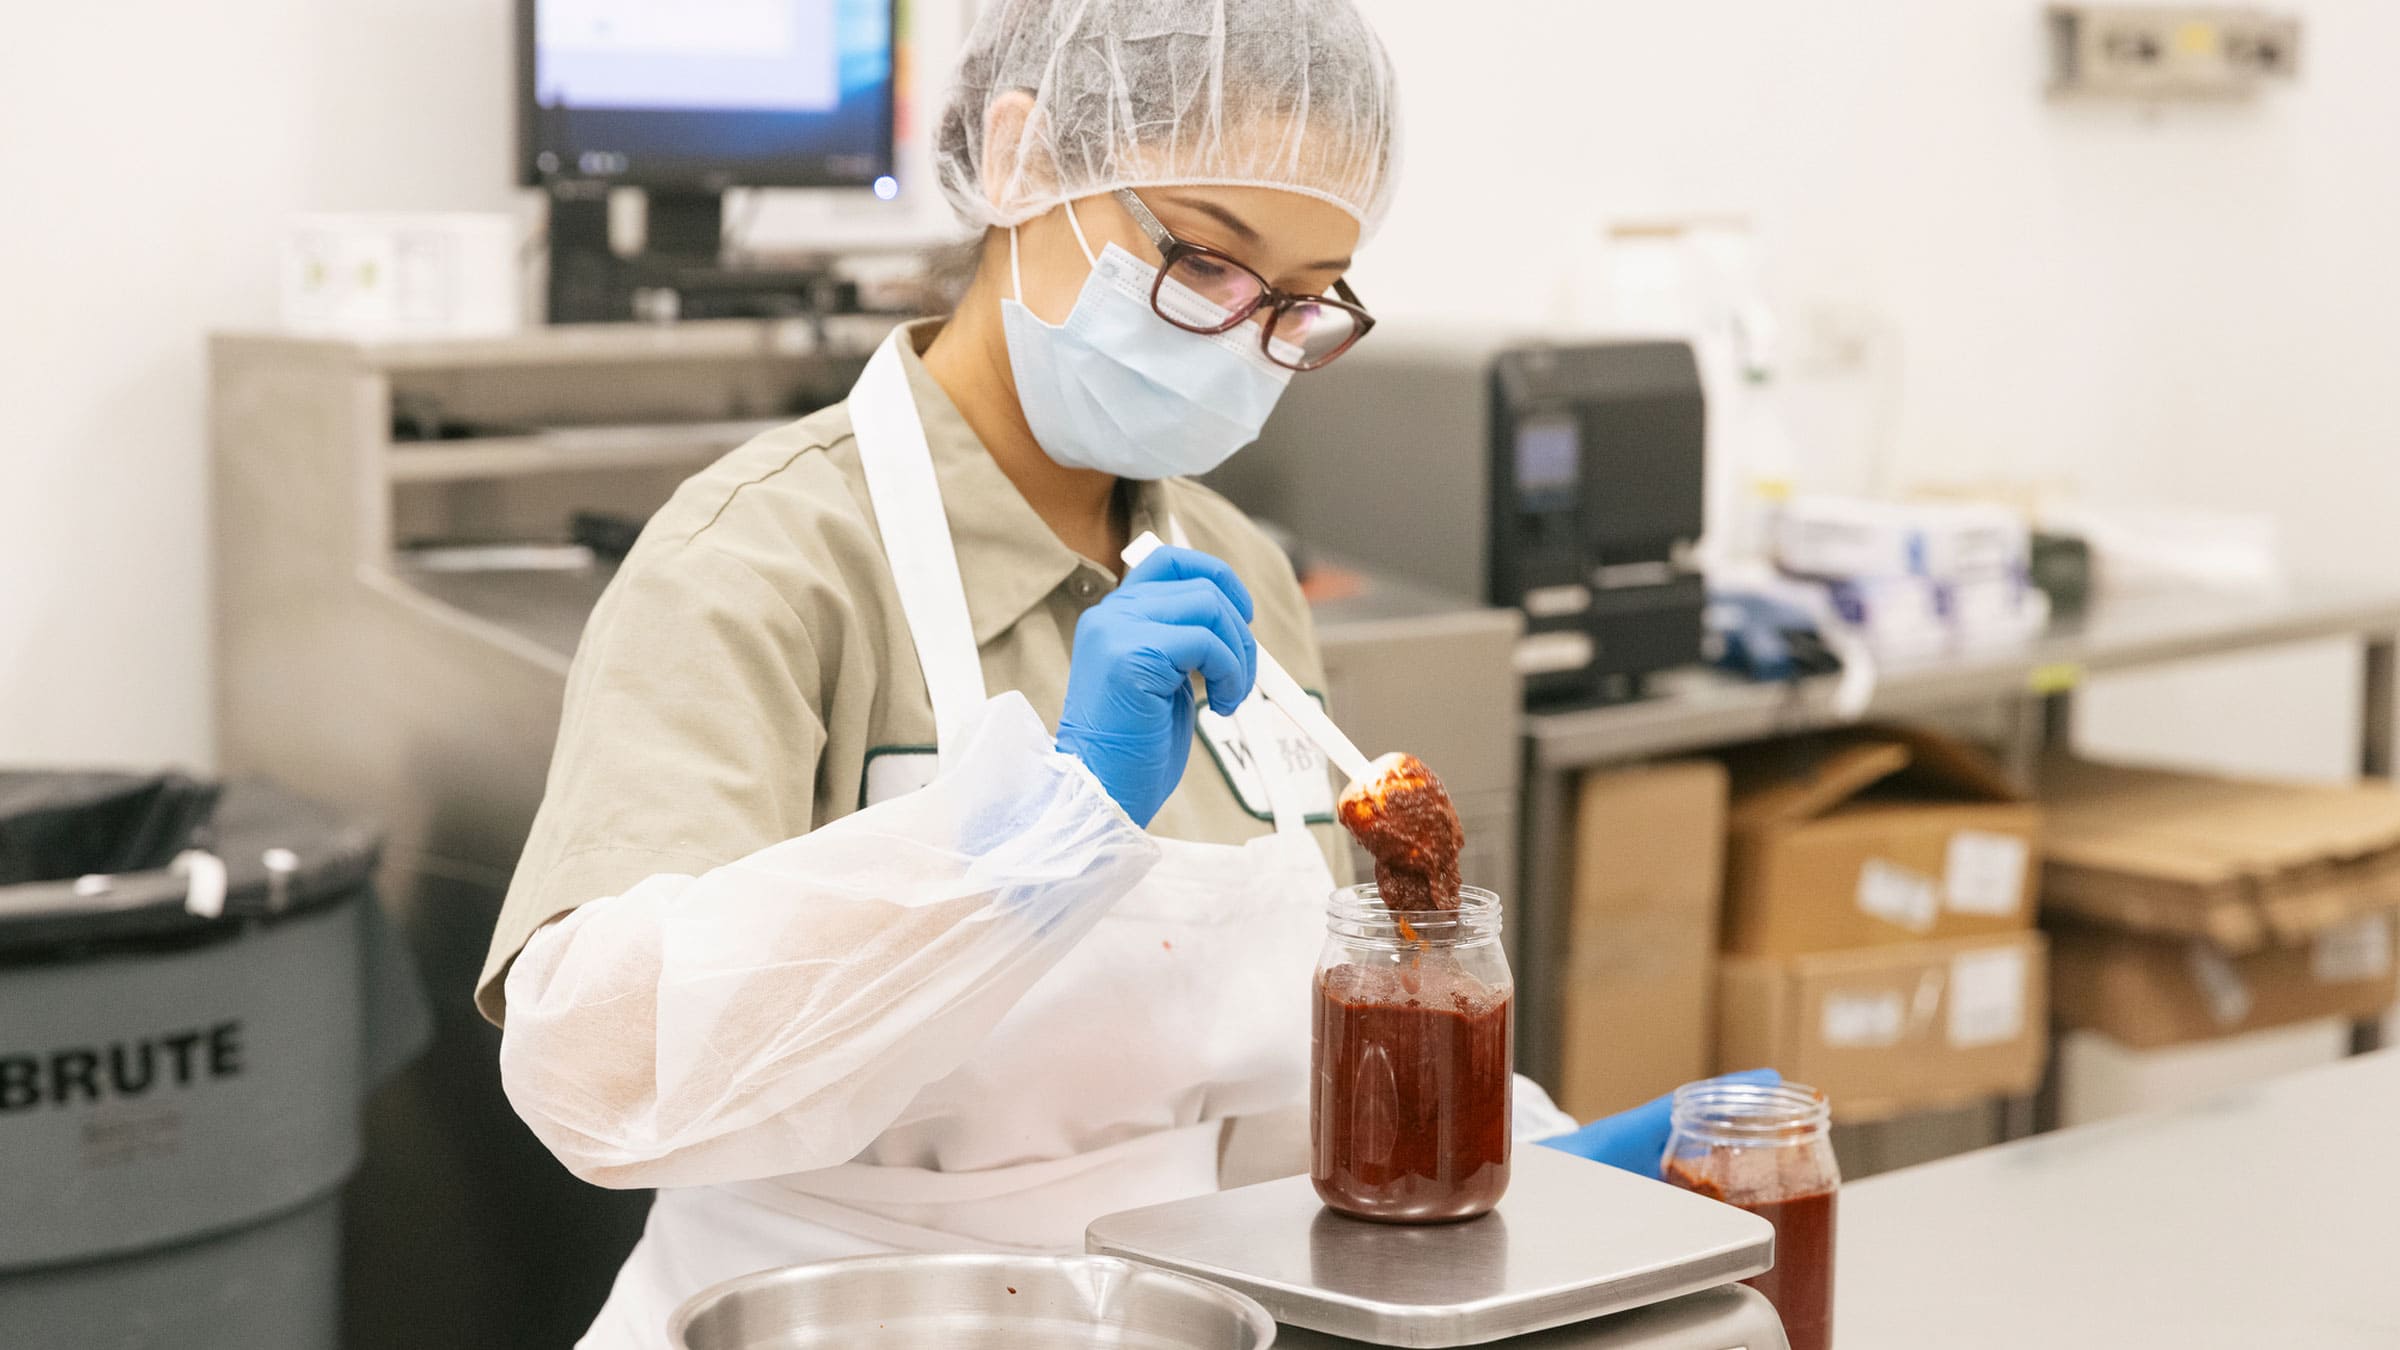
1107,1087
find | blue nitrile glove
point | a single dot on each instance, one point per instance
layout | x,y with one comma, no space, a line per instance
1129,708
1636,1140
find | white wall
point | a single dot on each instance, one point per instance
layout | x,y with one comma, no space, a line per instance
150,152
2197,294
2195,300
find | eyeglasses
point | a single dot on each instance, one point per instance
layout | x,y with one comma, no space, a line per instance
1212,293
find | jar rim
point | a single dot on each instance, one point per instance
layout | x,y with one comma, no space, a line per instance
1356,915
1364,903
1737,1112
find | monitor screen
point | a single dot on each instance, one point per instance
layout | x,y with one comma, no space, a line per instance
1549,456
706,94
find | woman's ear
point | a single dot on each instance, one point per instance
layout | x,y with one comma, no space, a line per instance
1015,166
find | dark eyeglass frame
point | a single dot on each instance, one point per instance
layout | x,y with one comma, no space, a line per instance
1171,249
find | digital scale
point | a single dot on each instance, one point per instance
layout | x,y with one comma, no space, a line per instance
1577,1256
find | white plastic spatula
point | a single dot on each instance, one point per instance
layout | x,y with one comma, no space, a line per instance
1285,693
1394,806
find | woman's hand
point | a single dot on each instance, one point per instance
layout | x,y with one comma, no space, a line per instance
1636,1140
1129,707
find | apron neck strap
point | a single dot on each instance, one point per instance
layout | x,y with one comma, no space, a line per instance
907,500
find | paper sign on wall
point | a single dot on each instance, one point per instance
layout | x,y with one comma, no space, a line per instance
1987,998
2360,949
1986,872
1898,895
1853,1020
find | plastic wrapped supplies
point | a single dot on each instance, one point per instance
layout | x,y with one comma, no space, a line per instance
1912,581
775,1014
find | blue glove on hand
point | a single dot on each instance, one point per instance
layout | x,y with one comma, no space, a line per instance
1636,1140
1129,708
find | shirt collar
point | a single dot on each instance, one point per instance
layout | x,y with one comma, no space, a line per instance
1008,559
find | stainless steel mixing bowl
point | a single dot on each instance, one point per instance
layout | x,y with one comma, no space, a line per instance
971,1302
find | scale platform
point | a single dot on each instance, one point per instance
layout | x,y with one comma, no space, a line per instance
1573,1240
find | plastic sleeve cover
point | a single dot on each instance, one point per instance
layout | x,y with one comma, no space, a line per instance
774,1014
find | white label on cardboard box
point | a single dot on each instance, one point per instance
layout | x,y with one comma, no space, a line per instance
1986,873
2221,986
2360,949
1987,998
1898,895
1854,1020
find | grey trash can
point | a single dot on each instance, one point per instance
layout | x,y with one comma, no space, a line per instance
179,1091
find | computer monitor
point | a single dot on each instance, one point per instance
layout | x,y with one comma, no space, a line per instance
703,95
686,100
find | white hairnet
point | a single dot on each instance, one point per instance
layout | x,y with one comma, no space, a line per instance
1290,94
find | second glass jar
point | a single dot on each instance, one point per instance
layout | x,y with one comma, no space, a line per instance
1415,1039
1765,1147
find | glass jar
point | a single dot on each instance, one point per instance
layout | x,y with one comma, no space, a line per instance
1415,1039
1766,1148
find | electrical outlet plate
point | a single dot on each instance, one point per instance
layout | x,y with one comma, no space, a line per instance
2171,51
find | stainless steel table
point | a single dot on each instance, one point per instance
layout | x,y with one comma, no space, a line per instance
2262,1218
1700,710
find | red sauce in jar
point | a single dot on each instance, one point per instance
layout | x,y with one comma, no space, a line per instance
1801,1283
1410,1099
1405,821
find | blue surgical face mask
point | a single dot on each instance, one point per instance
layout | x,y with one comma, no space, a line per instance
1119,389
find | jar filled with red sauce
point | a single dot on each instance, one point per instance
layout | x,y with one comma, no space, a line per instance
1415,1036
1766,1148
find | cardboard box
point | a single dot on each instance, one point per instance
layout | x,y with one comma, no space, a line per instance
1641,958
2149,991
1888,1030
2189,908
2243,864
1875,836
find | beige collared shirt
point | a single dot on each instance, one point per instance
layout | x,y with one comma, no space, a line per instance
750,661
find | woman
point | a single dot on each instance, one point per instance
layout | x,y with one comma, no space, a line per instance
822,929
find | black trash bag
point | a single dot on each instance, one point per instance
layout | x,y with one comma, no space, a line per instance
60,826
280,854
283,856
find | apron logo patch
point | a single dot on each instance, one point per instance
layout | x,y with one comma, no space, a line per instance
1290,753
895,771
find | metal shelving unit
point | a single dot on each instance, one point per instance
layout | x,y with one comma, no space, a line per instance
573,449
1697,711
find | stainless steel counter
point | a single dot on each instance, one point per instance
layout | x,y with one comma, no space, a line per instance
2269,1217
547,606
1703,709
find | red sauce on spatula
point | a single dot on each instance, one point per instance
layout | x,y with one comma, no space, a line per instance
1404,819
